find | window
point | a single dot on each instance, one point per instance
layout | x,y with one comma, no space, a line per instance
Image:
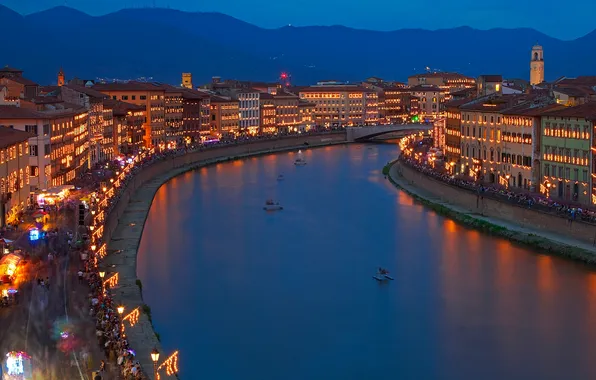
143,97
567,173
33,150
547,170
124,97
575,175
134,97
114,97
46,129
585,176
34,171
46,149
31,129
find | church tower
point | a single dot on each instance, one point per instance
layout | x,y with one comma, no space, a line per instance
61,77
187,80
537,65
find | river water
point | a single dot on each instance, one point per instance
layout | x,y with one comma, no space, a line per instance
247,294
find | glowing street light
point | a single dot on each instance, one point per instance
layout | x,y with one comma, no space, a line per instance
120,309
102,274
93,247
155,358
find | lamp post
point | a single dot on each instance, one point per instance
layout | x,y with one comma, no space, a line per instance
155,358
120,310
507,177
102,274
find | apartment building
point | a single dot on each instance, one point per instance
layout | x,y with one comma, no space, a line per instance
567,150
225,116
430,101
249,108
149,95
58,147
341,104
14,173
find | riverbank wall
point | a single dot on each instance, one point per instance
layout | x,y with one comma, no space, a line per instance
545,232
124,225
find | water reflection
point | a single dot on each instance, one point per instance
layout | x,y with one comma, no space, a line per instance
246,294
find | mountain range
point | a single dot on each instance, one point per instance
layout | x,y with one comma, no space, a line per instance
163,43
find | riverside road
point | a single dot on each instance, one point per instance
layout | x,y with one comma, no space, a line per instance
247,294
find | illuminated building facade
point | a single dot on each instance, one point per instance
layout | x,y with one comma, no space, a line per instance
521,136
249,107
286,118
489,84
127,126
341,105
446,82
174,113
394,105
187,80
453,133
14,173
430,101
307,114
567,148
225,116
192,114
107,151
150,95
268,126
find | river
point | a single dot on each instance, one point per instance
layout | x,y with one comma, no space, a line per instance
245,294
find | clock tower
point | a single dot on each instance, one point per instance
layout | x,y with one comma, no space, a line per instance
537,65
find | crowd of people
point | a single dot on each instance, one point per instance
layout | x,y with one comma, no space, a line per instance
528,199
102,307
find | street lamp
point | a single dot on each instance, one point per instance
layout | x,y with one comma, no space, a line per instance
155,358
120,310
93,247
507,177
102,274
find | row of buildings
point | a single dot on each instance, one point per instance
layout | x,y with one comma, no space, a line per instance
542,139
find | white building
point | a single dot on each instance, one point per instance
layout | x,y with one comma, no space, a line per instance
250,115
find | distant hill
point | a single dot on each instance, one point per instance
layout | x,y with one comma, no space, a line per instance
162,43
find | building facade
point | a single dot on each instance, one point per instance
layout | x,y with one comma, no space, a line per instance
150,95
338,105
249,107
14,173
567,156
225,116
430,101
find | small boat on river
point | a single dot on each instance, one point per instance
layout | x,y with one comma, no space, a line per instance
270,205
300,159
382,275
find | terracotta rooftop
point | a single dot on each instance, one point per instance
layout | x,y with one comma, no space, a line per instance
585,111
266,96
21,80
9,136
445,75
581,80
46,100
532,110
219,99
8,69
464,92
187,93
332,88
11,112
575,91
492,78
48,89
457,103
86,90
496,104
127,86
425,88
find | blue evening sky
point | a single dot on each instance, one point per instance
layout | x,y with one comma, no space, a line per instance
565,20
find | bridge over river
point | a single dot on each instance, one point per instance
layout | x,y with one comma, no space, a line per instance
366,133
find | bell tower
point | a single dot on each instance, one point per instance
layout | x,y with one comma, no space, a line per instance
537,65
61,77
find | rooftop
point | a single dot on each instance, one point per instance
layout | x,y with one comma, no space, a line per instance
11,112
219,99
496,104
8,69
120,108
532,109
341,88
575,91
457,103
21,80
128,86
585,111
492,78
9,136
425,88
445,75
86,90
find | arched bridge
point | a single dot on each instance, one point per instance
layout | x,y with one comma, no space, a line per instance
365,133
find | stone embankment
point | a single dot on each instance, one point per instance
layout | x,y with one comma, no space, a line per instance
124,226
545,232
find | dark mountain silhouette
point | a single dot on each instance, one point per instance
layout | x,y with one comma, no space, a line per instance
162,43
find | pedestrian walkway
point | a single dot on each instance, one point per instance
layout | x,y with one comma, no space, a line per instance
427,195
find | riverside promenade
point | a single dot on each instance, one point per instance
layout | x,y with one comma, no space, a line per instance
124,228
546,233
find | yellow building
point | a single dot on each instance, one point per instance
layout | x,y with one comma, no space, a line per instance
225,116
341,104
14,173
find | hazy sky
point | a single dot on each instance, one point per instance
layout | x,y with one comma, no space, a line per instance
545,15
